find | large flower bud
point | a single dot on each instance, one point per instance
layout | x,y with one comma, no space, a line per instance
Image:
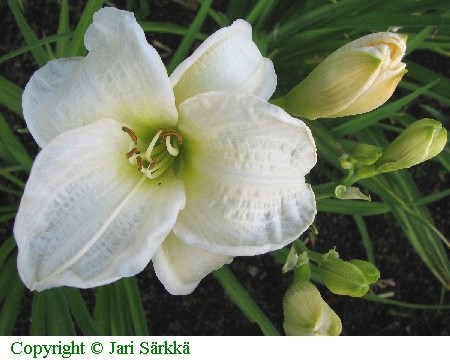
420,141
356,78
306,313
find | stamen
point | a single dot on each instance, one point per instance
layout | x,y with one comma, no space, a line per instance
158,149
160,171
159,164
174,151
150,166
148,152
159,155
133,151
130,133
140,163
153,163
166,133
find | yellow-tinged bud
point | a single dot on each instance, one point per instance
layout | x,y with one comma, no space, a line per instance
420,141
306,313
371,273
343,278
356,78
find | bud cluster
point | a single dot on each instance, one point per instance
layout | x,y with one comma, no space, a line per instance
420,141
305,311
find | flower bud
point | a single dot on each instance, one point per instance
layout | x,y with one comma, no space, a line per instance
306,313
346,162
420,141
370,272
366,154
343,278
356,78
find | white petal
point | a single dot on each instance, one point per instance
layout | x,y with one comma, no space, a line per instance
242,136
122,77
244,176
180,267
227,60
87,217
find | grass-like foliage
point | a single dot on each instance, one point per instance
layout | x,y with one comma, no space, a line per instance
296,35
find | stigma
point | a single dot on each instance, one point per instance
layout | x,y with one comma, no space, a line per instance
158,156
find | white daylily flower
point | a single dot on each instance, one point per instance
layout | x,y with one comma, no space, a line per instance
187,171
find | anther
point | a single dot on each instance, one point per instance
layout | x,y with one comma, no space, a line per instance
130,153
153,163
130,133
140,163
166,133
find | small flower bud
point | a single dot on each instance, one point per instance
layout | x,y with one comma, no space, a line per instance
306,313
420,141
366,154
355,79
370,272
343,278
346,162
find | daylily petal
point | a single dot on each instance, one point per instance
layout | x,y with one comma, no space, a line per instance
180,267
242,136
87,217
244,175
227,60
122,77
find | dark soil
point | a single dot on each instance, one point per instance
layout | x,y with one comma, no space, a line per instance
208,311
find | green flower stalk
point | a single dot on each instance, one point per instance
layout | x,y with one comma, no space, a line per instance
420,141
356,78
306,313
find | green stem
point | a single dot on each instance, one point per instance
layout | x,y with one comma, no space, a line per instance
244,301
364,172
314,256
190,36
